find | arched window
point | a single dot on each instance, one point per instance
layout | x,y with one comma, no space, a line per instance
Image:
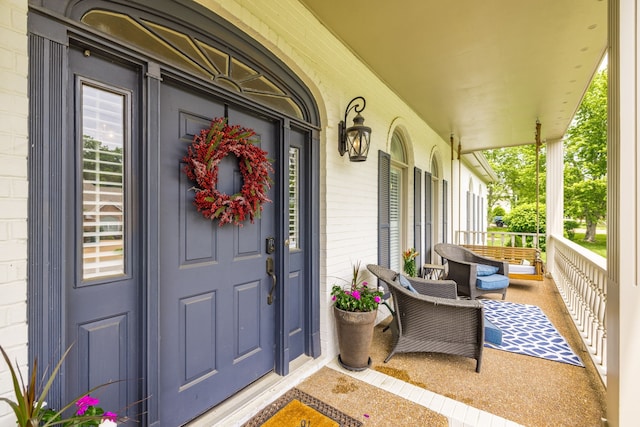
398,200
197,56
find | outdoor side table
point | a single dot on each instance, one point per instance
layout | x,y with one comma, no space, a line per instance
433,271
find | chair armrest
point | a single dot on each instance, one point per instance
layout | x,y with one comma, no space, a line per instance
474,305
435,288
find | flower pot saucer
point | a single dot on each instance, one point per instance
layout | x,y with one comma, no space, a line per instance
351,368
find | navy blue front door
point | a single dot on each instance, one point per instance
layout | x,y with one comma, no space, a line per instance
217,331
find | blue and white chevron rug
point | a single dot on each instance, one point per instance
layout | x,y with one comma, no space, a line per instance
526,330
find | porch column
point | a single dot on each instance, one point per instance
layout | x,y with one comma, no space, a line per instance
555,198
623,294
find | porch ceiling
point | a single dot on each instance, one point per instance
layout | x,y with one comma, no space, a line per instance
482,70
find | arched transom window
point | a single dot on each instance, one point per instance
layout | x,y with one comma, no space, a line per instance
197,56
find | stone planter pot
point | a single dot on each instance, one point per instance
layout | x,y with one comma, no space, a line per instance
355,333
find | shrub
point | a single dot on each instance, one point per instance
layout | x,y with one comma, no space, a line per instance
522,219
498,211
570,228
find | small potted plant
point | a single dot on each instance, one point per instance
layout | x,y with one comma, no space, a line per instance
355,308
409,259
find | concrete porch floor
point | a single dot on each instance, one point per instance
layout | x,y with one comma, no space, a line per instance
438,390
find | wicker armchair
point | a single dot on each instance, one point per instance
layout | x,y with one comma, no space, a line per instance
463,269
426,323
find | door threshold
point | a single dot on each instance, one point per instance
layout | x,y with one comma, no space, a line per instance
240,407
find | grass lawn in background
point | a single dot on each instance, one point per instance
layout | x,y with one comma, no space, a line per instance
599,246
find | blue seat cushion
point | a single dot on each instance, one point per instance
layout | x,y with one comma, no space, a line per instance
486,270
492,334
406,284
495,281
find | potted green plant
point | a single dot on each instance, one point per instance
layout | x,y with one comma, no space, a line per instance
355,308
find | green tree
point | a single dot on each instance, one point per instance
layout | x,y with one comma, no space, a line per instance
585,176
101,163
516,171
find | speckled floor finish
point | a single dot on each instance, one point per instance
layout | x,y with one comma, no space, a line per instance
527,390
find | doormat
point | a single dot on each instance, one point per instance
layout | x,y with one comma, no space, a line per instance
298,409
526,330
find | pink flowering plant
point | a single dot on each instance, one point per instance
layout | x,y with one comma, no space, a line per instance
356,295
87,406
29,406
87,413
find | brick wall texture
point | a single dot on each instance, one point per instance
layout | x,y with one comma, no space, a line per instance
13,191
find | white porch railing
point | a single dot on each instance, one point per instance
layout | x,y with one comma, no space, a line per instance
581,278
495,238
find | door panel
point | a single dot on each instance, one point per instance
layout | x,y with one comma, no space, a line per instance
198,244
103,315
217,330
104,343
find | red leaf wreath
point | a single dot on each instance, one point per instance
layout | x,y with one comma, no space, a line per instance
209,147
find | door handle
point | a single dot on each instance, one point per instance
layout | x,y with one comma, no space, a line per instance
271,272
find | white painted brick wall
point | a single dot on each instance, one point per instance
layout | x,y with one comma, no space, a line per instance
13,192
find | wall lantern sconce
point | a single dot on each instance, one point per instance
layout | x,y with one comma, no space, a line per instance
355,139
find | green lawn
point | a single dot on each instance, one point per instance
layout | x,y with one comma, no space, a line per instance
599,246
